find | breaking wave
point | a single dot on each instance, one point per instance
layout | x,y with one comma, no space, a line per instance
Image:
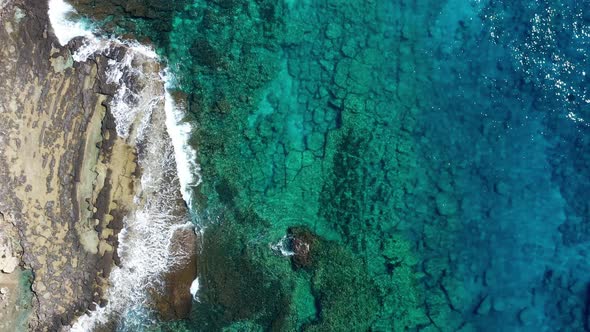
145,115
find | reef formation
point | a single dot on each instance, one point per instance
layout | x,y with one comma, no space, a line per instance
366,165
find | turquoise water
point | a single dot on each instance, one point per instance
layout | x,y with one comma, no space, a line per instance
426,161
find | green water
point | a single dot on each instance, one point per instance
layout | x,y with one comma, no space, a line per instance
24,302
379,136
293,129
288,137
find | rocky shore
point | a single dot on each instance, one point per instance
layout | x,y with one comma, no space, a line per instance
68,180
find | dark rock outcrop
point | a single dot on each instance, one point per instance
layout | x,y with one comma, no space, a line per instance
175,300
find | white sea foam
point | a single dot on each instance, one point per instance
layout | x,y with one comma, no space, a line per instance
145,244
65,29
128,106
282,246
93,44
142,115
195,286
180,131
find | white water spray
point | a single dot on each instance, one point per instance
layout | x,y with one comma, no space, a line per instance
65,29
180,131
195,286
282,247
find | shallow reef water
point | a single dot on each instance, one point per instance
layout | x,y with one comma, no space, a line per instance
425,163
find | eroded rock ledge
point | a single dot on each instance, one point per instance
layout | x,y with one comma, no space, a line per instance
67,178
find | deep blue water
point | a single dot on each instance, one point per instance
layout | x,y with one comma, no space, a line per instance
507,118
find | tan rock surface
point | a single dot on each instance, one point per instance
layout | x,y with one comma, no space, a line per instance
65,176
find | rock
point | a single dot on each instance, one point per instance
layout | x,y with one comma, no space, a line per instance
175,300
65,319
341,74
308,158
349,48
484,306
106,263
501,188
327,66
3,290
302,244
333,31
354,103
8,264
116,224
499,304
359,77
318,117
527,317
446,205
444,181
293,160
116,258
315,141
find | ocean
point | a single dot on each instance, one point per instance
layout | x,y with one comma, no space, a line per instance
364,165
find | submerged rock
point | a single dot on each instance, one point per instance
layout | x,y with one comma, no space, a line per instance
302,244
174,301
446,205
484,306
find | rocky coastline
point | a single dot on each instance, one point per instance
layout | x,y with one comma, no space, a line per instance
61,182
68,178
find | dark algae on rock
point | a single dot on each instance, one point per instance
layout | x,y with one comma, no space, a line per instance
381,165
